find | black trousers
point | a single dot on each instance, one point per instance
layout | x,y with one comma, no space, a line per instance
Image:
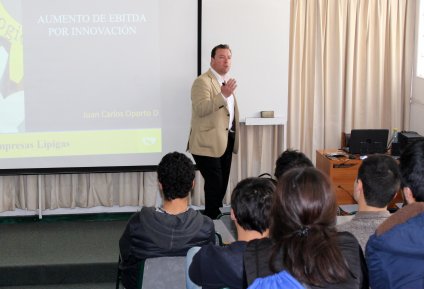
216,172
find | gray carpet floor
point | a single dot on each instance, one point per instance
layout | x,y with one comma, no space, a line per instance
69,252
66,254
60,243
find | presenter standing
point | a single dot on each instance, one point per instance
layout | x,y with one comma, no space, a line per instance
214,134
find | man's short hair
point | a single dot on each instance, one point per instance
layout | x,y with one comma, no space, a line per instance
291,159
251,203
412,169
219,46
176,174
380,178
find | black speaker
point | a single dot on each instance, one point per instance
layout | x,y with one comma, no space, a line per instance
407,137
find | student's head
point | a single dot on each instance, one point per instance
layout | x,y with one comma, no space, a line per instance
303,219
304,197
221,59
379,180
175,175
291,159
412,171
251,203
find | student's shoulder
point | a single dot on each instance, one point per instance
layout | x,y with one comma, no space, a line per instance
259,244
258,248
144,211
346,239
402,218
223,252
198,215
143,214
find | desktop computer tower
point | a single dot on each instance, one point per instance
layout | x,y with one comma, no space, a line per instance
404,139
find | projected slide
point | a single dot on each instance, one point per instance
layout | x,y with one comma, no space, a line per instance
80,78
12,102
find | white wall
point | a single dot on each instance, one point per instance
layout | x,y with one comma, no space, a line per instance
258,33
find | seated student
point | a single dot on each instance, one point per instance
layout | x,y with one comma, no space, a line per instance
395,253
219,267
169,230
303,238
375,187
290,159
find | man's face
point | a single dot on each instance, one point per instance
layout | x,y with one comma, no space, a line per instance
221,63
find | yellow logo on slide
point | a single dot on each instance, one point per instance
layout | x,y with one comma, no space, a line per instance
80,143
11,30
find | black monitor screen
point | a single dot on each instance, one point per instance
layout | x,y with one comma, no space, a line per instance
368,141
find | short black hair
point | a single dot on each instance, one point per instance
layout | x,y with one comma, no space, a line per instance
380,178
219,46
176,174
251,202
412,169
289,159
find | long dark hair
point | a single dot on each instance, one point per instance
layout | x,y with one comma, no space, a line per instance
303,219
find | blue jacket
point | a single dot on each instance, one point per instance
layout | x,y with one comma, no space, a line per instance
277,281
395,253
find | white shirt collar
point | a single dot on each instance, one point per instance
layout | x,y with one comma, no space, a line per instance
218,77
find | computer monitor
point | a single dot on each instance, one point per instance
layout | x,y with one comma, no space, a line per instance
368,141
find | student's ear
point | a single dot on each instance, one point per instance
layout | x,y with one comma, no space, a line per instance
408,196
233,216
358,189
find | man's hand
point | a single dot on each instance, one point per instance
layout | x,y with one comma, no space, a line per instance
229,87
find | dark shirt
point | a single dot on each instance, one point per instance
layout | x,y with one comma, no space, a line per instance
215,267
154,233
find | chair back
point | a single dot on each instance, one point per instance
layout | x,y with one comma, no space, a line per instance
162,273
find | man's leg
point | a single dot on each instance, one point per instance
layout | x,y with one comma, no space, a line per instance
226,159
210,168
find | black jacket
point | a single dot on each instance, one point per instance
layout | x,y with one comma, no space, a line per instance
215,267
154,233
257,254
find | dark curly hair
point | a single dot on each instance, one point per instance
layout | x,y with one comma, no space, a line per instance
176,175
291,159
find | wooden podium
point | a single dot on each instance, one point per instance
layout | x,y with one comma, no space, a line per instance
343,170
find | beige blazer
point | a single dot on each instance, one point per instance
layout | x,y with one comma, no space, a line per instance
210,117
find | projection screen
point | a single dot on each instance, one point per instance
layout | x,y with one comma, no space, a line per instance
95,83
